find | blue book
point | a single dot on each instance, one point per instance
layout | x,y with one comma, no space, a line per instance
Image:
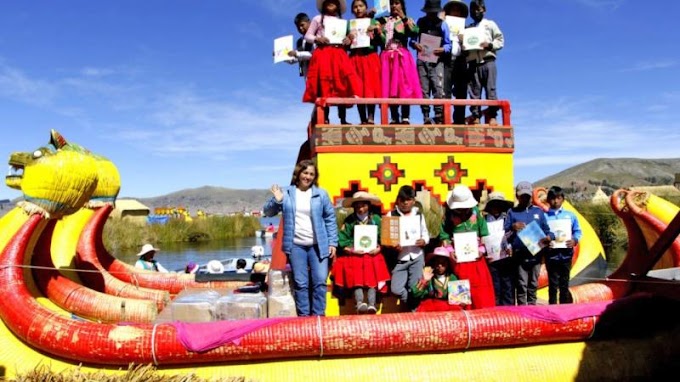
531,236
382,8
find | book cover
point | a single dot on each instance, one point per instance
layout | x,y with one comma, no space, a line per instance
282,46
459,292
382,8
334,29
473,38
429,43
365,238
493,242
409,230
531,236
466,246
562,230
359,27
389,231
456,24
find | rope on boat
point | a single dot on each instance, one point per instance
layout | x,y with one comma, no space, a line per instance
153,344
319,332
469,329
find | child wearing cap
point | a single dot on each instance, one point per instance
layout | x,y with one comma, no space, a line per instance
433,287
462,215
503,268
362,271
561,251
528,265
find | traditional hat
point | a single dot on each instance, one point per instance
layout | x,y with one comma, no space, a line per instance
432,6
459,3
361,196
215,266
146,248
524,188
343,5
460,197
439,251
498,198
261,267
257,251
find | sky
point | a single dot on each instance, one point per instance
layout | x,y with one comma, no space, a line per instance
184,93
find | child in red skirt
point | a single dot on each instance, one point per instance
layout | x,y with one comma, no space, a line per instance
463,215
330,74
399,73
433,287
363,272
366,61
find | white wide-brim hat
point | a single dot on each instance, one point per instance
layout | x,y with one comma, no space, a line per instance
146,248
361,196
460,197
343,6
498,198
215,266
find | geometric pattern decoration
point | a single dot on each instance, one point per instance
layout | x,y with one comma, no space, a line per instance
387,173
499,138
450,172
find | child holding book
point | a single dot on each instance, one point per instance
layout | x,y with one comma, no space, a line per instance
528,265
561,251
461,216
409,258
331,74
366,60
399,73
303,50
455,69
433,287
502,268
359,267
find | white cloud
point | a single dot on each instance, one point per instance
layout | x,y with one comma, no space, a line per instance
609,4
15,85
650,65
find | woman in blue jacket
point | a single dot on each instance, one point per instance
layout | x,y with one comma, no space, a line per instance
310,235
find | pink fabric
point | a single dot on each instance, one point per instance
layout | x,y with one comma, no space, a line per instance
559,313
203,336
399,74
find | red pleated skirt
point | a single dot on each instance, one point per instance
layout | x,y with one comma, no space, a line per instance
331,74
367,67
437,305
481,284
351,271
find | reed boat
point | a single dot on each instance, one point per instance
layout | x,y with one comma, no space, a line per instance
65,301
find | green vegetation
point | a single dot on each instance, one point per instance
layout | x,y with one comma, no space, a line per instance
121,234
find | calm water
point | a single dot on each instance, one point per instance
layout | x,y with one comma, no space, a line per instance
175,256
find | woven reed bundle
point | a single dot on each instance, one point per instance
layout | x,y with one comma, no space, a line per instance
82,301
91,250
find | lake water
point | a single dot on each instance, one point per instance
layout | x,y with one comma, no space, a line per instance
175,256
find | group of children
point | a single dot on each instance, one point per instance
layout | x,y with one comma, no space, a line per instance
387,69
420,275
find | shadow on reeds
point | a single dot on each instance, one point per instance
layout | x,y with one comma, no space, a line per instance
634,339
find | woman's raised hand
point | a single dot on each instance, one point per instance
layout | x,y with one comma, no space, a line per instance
278,192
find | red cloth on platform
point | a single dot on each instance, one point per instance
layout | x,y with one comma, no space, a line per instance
367,67
437,305
331,74
352,271
481,284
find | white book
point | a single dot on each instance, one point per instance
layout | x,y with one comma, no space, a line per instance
473,38
359,27
459,292
282,46
365,238
334,29
494,241
456,25
466,246
562,230
409,230
429,43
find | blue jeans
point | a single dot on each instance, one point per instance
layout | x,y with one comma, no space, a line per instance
309,273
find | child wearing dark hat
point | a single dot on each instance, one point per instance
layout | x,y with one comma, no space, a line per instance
482,63
432,73
364,272
455,68
331,74
433,287
462,215
503,268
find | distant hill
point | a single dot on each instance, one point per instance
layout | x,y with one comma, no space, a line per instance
212,200
581,181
